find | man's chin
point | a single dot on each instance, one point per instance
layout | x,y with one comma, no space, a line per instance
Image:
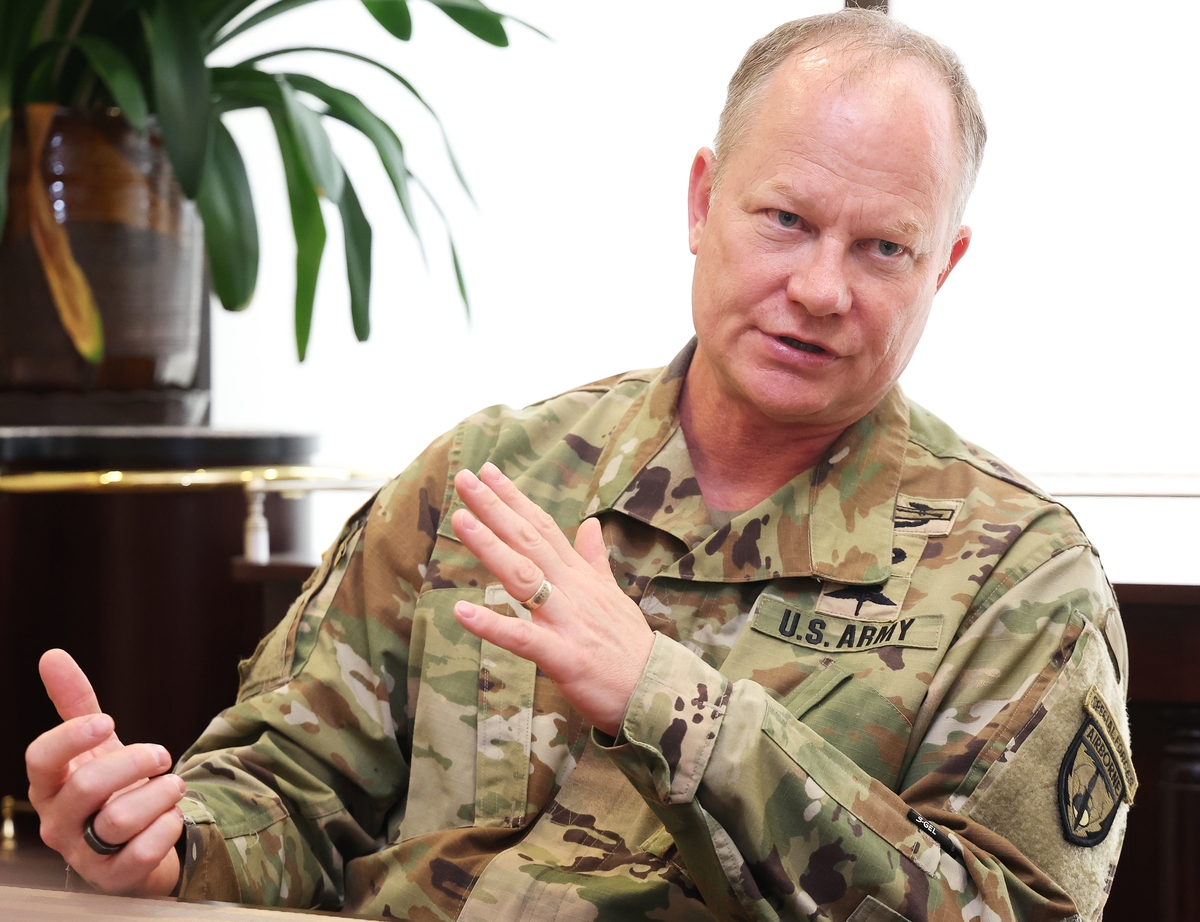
765,396
810,408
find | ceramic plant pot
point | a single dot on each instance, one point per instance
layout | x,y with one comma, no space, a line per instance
140,246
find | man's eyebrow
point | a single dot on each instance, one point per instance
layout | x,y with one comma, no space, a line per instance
905,230
912,231
787,190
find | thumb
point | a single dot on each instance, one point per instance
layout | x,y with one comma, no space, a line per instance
66,685
589,544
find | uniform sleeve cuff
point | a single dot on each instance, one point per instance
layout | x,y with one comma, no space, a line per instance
671,723
207,871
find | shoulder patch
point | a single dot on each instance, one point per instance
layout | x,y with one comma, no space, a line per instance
1093,778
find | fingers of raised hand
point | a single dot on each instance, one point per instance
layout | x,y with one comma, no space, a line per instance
589,544
521,504
519,575
67,685
87,788
48,758
127,814
513,517
134,867
524,638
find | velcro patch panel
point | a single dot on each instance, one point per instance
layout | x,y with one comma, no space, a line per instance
820,631
932,517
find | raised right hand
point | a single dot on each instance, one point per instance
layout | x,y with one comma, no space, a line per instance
80,767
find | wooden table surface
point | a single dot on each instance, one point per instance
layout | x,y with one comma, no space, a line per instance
23,904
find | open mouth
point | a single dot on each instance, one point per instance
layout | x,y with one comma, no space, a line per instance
802,346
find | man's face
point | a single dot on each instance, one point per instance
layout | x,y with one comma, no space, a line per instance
818,256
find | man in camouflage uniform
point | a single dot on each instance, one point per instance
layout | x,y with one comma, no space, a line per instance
805,653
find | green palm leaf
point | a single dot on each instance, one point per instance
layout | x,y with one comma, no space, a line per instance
357,233
241,87
244,87
118,74
230,227
475,18
308,224
349,109
182,88
458,275
214,15
160,68
304,148
268,12
16,34
313,143
391,73
393,15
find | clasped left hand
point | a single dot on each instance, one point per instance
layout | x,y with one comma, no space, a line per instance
589,637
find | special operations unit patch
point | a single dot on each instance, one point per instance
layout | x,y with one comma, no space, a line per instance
1095,776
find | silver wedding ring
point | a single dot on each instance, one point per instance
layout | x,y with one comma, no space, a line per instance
94,842
538,599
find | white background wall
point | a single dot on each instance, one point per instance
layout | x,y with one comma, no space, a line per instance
1065,341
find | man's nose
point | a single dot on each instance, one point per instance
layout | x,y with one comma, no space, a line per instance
818,280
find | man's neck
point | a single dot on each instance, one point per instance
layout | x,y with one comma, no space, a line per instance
741,457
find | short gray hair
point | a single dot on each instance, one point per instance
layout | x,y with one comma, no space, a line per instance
882,41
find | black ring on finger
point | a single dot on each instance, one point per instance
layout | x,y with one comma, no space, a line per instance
94,842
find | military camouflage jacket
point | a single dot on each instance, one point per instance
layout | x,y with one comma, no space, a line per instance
892,690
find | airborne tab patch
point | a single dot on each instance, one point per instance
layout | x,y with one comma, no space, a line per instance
1093,779
1095,705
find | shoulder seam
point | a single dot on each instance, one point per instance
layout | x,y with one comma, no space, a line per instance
1001,590
603,385
453,465
967,458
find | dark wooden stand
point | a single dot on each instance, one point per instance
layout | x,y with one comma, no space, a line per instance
135,585
1159,874
281,579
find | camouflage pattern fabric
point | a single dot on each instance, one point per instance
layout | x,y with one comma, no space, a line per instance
857,705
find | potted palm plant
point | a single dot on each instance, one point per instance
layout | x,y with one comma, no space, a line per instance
112,146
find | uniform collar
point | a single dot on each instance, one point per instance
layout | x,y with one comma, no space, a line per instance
833,521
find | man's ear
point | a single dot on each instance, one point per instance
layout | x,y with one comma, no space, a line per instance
700,185
957,249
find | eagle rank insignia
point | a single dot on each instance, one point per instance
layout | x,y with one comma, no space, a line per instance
1096,775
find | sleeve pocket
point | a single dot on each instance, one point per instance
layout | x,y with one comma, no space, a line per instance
871,910
285,650
1019,795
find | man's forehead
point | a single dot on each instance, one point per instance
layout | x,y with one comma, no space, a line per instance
878,100
829,71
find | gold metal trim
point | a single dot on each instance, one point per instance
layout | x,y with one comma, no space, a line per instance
203,478
9,806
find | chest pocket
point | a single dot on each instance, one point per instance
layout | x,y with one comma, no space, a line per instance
503,724
473,722
855,673
491,741
443,682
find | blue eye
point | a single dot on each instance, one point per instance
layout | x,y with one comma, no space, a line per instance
887,248
787,219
